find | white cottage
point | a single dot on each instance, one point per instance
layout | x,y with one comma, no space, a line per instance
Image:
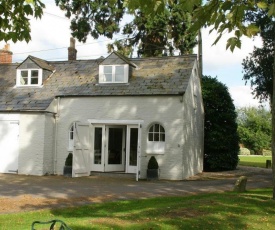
112,113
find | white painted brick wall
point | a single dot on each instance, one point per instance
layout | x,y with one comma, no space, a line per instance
193,129
165,110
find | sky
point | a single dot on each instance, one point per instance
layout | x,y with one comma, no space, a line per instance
51,38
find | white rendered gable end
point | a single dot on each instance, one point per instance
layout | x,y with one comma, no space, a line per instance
113,74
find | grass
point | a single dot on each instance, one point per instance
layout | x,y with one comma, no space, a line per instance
220,211
254,161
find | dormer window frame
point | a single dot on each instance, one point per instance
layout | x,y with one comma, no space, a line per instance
29,77
111,70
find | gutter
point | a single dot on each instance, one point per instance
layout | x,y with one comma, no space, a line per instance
26,111
56,117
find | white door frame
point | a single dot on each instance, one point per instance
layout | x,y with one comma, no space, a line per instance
129,168
130,123
114,167
97,166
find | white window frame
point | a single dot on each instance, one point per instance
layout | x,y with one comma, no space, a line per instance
102,77
18,77
156,147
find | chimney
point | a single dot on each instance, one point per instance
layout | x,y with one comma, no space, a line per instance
71,50
6,54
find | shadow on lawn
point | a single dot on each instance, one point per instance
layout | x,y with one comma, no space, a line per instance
212,211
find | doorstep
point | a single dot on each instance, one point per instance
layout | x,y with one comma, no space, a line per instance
114,174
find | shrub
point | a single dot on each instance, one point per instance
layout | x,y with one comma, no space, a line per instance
267,152
153,164
69,160
221,142
244,151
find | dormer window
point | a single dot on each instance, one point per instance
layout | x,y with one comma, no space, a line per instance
113,73
29,77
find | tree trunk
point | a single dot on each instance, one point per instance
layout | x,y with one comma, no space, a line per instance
273,120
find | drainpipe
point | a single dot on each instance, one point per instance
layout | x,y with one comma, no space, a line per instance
56,134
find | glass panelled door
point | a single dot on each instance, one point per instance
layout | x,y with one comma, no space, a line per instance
132,149
115,148
115,154
98,149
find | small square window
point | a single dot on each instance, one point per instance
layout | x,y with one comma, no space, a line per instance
113,73
29,77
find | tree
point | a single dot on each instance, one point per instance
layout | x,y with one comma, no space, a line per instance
258,69
257,66
221,142
254,128
156,35
14,21
227,15
94,17
162,34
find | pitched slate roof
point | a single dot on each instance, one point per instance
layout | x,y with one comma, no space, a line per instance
41,63
153,76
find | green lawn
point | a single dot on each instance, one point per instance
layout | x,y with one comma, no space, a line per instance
250,210
255,161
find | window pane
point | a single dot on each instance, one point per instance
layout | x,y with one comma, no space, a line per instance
107,73
156,127
119,73
72,133
150,137
133,146
162,137
115,145
34,77
156,136
161,129
151,129
107,69
24,77
107,78
97,145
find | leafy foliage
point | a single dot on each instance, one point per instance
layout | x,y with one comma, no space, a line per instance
69,160
258,66
154,35
152,163
221,143
254,128
244,151
160,34
14,21
95,17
